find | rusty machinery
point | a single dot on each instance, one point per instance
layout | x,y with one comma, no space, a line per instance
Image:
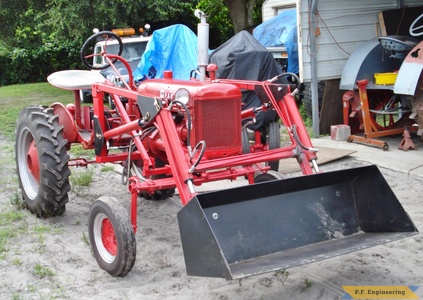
384,97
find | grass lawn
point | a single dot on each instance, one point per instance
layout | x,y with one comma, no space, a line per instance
14,98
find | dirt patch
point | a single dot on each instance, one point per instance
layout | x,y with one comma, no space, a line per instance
51,258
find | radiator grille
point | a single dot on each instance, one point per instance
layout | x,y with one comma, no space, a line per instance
218,122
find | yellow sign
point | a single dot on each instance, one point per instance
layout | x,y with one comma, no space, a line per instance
380,292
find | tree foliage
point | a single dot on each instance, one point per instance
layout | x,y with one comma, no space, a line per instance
42,36
219,20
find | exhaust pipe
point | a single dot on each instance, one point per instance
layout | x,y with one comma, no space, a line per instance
203,43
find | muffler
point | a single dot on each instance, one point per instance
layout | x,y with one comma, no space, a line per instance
265,227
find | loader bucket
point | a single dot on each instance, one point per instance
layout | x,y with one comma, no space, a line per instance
275,225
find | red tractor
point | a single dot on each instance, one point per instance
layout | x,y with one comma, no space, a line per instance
179,134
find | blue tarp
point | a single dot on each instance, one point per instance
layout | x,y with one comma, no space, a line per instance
171,48
281,30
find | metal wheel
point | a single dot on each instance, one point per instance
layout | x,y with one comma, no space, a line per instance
42,161
111,236
385,147
268,176
415,28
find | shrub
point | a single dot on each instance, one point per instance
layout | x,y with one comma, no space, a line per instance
34,64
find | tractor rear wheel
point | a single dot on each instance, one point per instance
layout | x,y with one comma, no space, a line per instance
307,100
111,236
42,161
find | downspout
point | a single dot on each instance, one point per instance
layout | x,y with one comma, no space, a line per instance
313,65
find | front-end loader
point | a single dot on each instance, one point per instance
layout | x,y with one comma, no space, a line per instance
180,134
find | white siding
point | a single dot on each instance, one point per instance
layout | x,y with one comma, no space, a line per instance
271,8
343,24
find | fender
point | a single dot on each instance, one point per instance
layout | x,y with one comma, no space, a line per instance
368,59
67,120
409,72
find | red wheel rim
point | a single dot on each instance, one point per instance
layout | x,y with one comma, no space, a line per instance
108,237
32,161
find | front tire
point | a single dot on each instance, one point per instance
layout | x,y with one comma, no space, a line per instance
111,236
42,161
273,140
268,176
245,141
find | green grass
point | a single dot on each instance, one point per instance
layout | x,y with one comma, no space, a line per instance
42,271
308,122
82,178
107,168
14,98
77,151
281,275
307,284
9,227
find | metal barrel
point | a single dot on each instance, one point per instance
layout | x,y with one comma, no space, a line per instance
269,226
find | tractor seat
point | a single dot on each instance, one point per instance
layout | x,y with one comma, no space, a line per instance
398,45
75,79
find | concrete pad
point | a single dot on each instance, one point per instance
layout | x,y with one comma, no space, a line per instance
410,161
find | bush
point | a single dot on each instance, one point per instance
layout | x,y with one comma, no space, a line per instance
27,65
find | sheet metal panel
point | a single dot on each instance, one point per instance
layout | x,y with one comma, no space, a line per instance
410,72
344,25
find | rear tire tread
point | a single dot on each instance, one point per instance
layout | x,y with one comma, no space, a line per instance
44,127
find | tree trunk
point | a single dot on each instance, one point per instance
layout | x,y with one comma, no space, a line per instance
241,12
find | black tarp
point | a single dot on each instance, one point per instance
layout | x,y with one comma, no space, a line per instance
243,57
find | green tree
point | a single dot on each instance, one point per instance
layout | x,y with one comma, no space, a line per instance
241,12
42,36
221,28
78,18
227,17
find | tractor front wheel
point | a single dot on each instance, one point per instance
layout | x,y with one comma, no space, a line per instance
273,140
42,161
268,176
111,236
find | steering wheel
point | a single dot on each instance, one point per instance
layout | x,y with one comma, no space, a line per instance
414,29
87,51
297,81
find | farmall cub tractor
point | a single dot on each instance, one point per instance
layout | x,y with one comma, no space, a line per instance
180,134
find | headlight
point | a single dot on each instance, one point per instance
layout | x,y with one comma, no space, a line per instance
182,95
